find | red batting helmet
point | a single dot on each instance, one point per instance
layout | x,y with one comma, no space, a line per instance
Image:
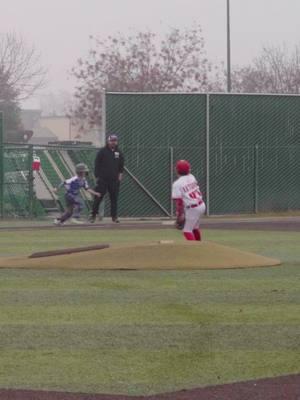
183,167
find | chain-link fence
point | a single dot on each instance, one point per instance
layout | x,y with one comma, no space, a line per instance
17,175
253,143
244,150
242,179
155,130
30,193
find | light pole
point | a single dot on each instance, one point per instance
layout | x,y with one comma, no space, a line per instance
1,167
228,49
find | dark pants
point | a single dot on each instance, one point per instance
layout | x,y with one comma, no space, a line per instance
102,187
78,207
72,202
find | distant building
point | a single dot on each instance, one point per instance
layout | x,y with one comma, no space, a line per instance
42,136
60,126
18,136
54,128
30,118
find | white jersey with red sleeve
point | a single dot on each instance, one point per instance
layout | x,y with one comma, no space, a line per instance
186,188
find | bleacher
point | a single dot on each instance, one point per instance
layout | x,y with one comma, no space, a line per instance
57,165
16,187
57,158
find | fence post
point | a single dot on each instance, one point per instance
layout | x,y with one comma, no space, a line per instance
102,143
103,113
30,181
256,179
207,156
171,179
1,167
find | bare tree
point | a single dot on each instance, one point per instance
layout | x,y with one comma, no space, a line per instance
21,75
8,103
20,66
275,70
142,62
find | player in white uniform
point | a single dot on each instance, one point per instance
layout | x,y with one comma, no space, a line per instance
189,203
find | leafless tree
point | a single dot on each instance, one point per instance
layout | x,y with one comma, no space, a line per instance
21,74
275,70
142,62
20,66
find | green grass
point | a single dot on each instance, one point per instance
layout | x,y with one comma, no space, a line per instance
141,332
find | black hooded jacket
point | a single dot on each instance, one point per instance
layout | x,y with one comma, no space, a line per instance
109,163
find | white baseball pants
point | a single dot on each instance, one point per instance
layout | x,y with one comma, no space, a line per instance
193,217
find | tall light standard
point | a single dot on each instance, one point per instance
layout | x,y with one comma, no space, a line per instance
228,49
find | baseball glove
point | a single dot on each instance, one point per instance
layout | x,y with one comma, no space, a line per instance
179,223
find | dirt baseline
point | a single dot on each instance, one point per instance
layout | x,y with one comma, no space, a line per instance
288,224
279,388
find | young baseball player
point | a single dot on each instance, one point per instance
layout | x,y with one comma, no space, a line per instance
77,211
72,195
189,203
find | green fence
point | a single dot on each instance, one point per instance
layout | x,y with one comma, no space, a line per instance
28,193
244,150
254,141
16,199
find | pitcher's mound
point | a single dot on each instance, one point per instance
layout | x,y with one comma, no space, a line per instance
154,256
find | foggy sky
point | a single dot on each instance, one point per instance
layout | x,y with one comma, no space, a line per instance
60,29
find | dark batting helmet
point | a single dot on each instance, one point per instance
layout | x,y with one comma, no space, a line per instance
113,137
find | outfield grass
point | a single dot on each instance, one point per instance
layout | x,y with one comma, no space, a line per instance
141,332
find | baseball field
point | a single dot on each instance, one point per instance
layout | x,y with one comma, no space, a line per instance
147,332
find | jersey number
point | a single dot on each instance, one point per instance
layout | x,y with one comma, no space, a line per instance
195,195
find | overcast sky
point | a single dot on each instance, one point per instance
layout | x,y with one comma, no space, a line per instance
60,29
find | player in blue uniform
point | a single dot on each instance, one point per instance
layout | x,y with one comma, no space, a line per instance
72,196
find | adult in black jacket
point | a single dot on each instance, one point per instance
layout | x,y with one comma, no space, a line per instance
109,167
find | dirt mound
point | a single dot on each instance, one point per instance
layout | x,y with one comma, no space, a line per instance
153,256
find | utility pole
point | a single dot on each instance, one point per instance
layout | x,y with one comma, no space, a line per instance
228,49
1,167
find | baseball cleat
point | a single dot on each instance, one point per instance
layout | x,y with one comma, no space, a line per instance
92,219
58,222
76,221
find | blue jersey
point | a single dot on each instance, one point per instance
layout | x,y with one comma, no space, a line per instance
74,184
